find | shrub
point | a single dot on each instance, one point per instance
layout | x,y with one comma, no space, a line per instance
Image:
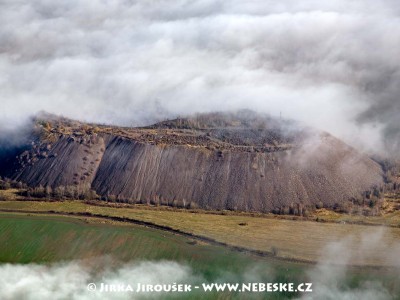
372,203
48,192
306,212
112,198
193,205
39,192
285,210
71,192
59,192
4,185
90,195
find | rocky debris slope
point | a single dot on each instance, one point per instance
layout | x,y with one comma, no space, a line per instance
237,161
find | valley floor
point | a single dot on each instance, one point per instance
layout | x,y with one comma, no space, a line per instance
292,240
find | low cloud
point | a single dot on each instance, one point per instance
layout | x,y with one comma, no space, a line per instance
70,280
331,275
333,65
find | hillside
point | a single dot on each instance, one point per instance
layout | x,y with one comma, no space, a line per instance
239,161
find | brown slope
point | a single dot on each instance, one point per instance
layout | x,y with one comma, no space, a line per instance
214,162
332,172
65,162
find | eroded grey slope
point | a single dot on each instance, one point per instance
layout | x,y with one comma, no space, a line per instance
212,162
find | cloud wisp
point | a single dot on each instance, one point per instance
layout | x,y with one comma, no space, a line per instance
331,274
71,280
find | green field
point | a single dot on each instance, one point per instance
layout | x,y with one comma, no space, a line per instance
280,250
48,239
44,238
291,239
41,238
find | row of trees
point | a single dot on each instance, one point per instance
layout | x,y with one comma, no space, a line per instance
60,193
156,200
368,203
391,170
296,209
84,193
6,184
